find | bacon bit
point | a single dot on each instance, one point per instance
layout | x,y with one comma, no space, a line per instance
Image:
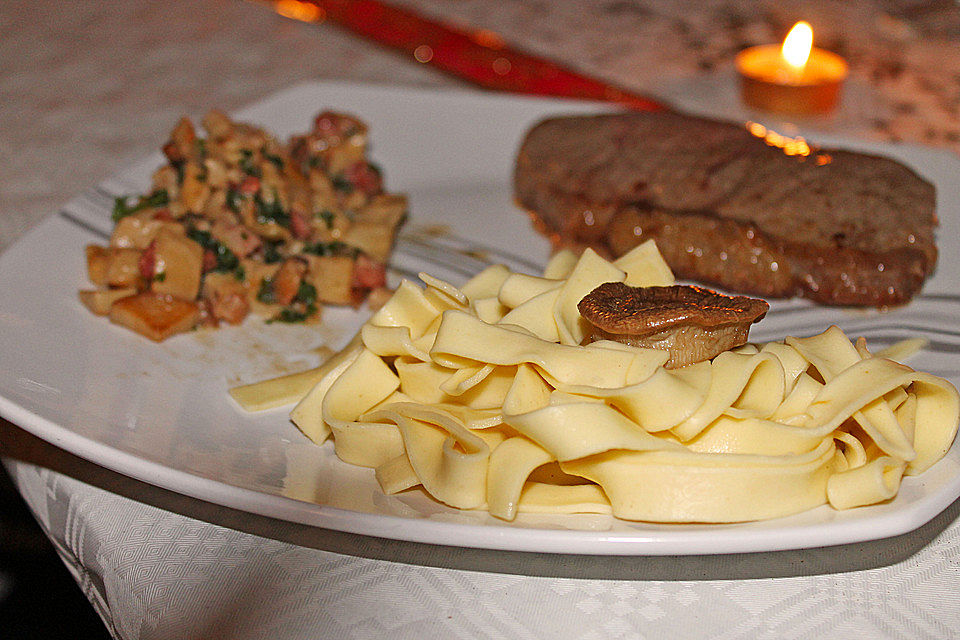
251,242
163,214
331,124
250,185
368,274
171,151
364,178
231,307
325,123
299,224
236,237
148,261
209,260
286,282
182,140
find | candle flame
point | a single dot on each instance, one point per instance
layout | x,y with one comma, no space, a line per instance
797,45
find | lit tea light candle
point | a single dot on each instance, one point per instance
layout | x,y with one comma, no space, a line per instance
794,78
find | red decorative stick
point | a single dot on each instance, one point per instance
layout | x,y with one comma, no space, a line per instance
481,57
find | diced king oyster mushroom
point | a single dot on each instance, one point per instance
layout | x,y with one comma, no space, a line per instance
155,315
99,301
691,323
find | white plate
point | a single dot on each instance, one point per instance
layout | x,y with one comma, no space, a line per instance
161,414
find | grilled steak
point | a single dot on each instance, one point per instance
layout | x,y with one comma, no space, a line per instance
727,208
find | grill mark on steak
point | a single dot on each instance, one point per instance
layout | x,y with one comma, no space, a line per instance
728,209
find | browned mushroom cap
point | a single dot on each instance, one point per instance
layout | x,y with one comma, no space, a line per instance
692,323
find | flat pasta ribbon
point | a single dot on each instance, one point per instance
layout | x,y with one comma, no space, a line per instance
484,397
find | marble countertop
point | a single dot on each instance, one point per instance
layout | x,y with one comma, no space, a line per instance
89,89
92,86
903,54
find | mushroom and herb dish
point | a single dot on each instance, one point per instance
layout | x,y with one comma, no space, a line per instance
238,222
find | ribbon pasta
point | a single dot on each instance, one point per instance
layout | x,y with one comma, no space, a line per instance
484,397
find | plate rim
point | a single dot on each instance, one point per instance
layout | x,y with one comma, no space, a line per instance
482,536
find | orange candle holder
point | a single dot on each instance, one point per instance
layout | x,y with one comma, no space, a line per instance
768,83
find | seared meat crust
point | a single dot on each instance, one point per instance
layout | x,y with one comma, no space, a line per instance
727,208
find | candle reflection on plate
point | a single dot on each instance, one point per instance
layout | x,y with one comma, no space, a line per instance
794,78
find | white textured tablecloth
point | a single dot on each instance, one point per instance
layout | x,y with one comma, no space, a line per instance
90,85
153,573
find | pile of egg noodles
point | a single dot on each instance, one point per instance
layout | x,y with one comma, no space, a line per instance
485,398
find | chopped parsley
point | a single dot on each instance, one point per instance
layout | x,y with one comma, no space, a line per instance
292,314
265,293
271,251
341,184
304,304
327,216
122,209
233,199
270,211
334,248
227,261
274,158
247,165
306,293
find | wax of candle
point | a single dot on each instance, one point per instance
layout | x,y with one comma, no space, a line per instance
794,78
